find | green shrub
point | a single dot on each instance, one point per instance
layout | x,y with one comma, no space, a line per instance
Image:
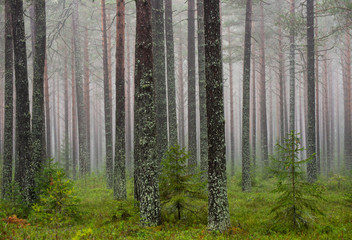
179,188
13,203
297,199
57,204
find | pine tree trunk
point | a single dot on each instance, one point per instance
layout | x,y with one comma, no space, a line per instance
246,160
317,96
292,65
192,124
120,155
67,160
347,88
281,86
202,90
47,110
170,63
82,127
86,89
218,211
232,117
146,115
254,111
74,116
8,124
263,120
23,155
312,165
181,98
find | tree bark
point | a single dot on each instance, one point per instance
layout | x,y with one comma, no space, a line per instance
8,124
218,211
192,124
312,165
23,155
147,162
246,161
170,65
347,87
120,155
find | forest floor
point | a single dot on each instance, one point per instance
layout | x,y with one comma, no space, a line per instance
104,218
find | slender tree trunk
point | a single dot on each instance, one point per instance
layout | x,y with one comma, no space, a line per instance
292,64
120,155
347,87
181,98
86,89
281,86
202,90
312,165
254,111
8,125
146,115
170,63
246,161
67,160
82,127
317,96
57,129
263,120
232,117
218,211
74,117
192,123
47,110
107,105
128,121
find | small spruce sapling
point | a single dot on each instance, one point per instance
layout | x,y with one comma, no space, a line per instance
298,199
178,186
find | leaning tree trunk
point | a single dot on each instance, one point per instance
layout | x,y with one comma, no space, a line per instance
312,165
218,211
107,105
146,124
23,155
120,155
8,124
170,63
246,160
192,124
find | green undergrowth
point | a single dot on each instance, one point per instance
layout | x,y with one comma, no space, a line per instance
104,218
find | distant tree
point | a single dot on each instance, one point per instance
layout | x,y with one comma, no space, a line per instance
218,206
8,124
120,155
23,155
246,160
192,124
170,65
292,64
312,165
147,161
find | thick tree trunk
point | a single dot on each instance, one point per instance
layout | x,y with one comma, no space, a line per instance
120,155
107,105
246,160
23,156
312,165
218,211
147,162
8,124
170,63
192,123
